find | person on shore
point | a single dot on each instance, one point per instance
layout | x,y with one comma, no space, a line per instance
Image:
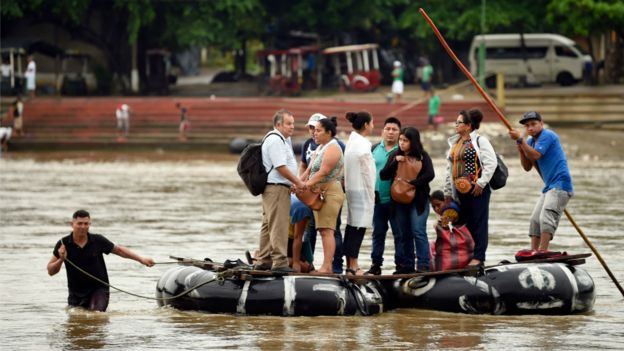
123,122
471,162
185,124
18,116
5,136
411,218
383,202
426,79
434,110
280,163
360,175
84,249
31,77
397,81
542,149
323,174
307,151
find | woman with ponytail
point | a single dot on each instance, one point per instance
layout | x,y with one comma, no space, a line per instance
360,175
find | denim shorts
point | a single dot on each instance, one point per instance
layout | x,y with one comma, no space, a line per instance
547,212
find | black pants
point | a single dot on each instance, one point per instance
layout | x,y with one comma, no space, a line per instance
475,212
353,241
95,301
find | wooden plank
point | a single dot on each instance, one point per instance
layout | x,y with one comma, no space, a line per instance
244,272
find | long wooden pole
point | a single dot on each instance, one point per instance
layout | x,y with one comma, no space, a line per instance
500,115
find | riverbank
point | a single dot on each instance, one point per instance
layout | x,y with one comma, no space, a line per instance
582,144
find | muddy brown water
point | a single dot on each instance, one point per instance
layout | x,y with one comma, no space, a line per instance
194,205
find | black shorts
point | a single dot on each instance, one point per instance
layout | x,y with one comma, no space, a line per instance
97,300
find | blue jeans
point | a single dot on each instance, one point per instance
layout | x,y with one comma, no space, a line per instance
381,216
413,232
310,236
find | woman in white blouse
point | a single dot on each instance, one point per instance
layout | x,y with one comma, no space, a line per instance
360,174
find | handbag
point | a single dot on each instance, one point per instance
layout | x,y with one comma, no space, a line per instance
311,197
314,197
401,190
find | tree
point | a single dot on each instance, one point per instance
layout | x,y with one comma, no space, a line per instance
594,17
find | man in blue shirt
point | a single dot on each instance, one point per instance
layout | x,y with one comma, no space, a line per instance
383,201
543,150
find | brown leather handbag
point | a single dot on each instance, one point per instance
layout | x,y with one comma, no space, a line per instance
401,190
311,197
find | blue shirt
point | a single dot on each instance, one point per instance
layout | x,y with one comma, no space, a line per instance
380,155
553,164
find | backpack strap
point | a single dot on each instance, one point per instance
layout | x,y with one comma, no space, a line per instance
265,138
273,133
374,146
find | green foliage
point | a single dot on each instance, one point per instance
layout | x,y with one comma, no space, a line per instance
140,14
211,23
584,17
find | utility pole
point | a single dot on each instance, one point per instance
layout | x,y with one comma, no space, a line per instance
482,47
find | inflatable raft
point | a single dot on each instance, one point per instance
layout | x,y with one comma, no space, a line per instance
545,287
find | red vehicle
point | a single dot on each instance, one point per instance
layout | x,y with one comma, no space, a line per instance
355,66
287,72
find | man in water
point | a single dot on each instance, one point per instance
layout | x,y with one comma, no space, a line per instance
85,250
543,150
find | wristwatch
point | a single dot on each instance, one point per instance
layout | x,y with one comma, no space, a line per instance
519,141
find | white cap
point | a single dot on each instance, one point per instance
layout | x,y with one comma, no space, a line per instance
124,107
397,64
315,118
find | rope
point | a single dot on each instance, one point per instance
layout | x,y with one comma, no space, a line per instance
218,276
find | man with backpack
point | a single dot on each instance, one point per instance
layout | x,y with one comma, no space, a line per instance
279,161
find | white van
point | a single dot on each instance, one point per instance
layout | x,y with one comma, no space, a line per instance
544,58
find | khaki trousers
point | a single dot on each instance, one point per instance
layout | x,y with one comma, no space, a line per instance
274,230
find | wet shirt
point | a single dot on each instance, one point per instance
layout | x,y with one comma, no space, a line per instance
553,164
90,259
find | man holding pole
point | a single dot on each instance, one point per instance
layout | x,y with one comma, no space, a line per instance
543,150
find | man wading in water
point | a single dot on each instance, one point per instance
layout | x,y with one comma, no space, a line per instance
85,251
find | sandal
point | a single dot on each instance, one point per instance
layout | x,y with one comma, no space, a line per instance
350,271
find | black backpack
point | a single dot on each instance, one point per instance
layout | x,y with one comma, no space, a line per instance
499,178
251,169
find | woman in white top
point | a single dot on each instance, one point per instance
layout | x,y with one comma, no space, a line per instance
360,174
31,74
471,162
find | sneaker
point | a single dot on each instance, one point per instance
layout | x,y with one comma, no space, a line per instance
404,270
375,269
284,269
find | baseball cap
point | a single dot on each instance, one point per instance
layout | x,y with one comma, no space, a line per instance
397,64
124,107
529,116
315,118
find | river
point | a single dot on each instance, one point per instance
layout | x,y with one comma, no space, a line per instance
162,204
